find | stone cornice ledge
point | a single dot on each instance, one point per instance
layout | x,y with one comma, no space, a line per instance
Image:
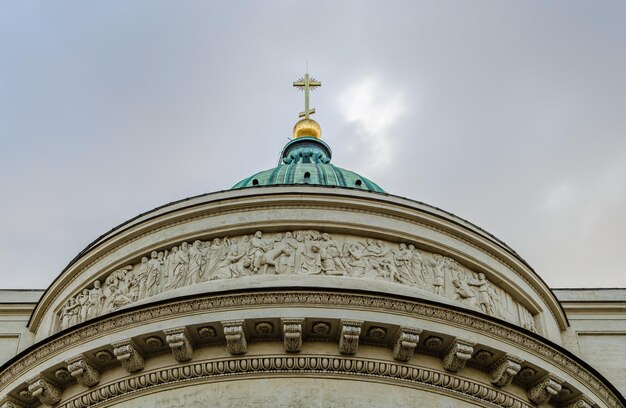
268,365
200,304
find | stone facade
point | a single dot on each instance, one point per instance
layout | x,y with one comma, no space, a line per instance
304,297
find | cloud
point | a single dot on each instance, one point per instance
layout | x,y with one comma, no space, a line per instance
373,109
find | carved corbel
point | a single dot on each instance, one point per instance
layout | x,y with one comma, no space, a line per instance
129,355
406,341
457,355
292,334
235,334
349,336
83,370
9,402
581,401
48,393
503,371
179,341
544,389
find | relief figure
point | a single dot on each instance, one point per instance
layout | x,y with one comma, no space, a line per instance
303,252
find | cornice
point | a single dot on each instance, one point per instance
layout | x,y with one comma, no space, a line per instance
297,366
470,321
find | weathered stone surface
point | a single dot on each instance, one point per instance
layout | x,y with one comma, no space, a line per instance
544,389
292,334
83,370
49,394
234,332
350,332
405,343
127,352
179,341
503,371
457,355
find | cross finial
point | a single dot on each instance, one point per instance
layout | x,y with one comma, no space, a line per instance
307,84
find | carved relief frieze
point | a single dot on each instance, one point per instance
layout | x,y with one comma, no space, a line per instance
406,342
127,352
302,252
292,334
547,387
83,370
505,369
457,355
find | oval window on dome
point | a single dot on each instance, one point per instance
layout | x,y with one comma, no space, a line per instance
307,177
255,182
358,183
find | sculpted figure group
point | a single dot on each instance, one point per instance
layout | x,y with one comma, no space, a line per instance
303,252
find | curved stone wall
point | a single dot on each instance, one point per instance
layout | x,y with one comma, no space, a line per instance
489,276
297,254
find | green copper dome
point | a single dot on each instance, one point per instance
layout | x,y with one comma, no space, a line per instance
306,160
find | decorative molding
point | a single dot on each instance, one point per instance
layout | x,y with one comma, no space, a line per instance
85,373
235,334
581,401
9,402
264,328
349,336
207,332
129,355
547,387
405,343
483,356
281,365
377,332
457,355
433,342
320,328
503,371
49,394
292,334
62,375
104,356
325,298
153,342
180,343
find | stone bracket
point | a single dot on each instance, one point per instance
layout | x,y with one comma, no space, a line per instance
180,343
582,401
83,370
405,343
47,392
457,355
235,334
547,387
129,355
292,334
503,370
349,334
10,402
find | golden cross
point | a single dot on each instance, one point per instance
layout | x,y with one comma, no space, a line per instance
307,84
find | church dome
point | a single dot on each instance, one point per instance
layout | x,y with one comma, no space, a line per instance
306,160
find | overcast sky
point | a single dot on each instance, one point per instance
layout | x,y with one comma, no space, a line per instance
511,115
